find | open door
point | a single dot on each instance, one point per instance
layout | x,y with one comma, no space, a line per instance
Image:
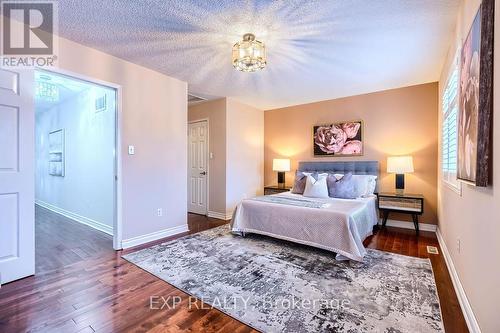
17,197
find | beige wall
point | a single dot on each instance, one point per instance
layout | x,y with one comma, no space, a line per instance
396,122
245,153
154,119
236,136
215,112
474,215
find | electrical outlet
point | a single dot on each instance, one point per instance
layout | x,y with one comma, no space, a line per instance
459,247
159,212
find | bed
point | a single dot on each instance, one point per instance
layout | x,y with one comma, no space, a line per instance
337,225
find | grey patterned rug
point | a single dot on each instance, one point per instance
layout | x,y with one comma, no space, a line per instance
277,286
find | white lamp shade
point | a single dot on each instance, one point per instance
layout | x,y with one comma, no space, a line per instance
400,164
281,164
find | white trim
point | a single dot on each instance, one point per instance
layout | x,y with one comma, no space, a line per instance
77,218
469,316
220,216
139,240
207,161
409,225
455,187
118,226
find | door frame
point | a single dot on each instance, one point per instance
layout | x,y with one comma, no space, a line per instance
117,197
207,194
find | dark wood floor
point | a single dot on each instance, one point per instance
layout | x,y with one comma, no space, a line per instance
60,241
104,293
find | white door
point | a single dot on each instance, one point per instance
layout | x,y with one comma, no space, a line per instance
197,164
17,180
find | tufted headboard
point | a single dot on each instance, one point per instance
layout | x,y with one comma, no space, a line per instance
356,167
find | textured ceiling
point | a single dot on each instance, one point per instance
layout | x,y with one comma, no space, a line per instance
316,50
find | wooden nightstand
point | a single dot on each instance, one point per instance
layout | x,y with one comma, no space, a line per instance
401,203
275,189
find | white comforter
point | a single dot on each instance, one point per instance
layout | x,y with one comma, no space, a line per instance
339,226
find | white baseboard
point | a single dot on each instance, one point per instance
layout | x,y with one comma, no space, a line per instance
409,225
470,318
139,240
78,218
220,216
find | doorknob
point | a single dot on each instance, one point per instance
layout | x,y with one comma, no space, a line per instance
203,173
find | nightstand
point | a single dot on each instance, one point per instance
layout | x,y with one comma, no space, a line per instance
275,189
401,203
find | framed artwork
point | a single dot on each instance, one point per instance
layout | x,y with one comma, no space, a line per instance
56,153
476,99
338,139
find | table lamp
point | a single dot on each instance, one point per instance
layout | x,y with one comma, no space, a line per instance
400,165
281,165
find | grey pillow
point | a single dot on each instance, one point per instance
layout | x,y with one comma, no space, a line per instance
345,188
299,185
330,182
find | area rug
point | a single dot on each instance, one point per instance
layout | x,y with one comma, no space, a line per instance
277,286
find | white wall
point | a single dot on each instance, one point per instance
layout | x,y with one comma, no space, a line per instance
245,153
473,216
89,157
154,119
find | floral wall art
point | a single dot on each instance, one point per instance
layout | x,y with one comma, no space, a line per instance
476,100
339,139
469,99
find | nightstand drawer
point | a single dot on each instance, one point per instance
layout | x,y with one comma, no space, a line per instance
401,203
406,204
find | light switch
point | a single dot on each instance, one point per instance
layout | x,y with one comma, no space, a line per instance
211,155
131,150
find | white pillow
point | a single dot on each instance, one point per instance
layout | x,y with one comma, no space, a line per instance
316,188
372,184
367,183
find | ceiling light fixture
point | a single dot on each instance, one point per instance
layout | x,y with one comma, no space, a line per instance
249,55
47,91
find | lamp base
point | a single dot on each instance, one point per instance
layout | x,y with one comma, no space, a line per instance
281,179
400,183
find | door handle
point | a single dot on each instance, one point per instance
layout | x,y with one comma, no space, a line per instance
203,173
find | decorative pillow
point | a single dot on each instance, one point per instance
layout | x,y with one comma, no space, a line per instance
330,183
366,183
299,185
338,176
316,188
346,188
372,184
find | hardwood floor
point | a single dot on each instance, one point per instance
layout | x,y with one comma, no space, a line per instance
60,241
104,293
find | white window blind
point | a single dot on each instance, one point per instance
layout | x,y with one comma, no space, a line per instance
450,128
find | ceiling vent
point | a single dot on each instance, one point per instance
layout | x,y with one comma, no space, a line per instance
193,98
